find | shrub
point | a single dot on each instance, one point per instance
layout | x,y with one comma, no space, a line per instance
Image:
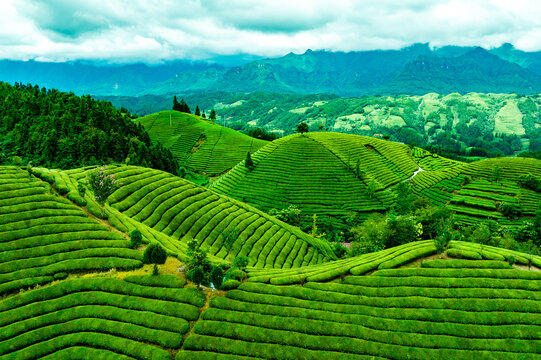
155,270
249,162
136,238
240,262
217,276
530,182
230,284
154,254
511,260
511,210
81,190
235,274
60,276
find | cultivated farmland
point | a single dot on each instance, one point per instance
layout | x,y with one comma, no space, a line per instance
199,144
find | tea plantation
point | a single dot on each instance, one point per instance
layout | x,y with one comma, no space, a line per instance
198,143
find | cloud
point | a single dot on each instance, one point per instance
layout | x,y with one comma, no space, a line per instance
127,30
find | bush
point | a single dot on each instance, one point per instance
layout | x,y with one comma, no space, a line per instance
60,276
235,274
230,284
197,276
511,210
511,260
136,238
154,254
240,262
464,254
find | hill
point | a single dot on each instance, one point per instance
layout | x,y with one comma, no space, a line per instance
199,144
322,173
340,175
56,129
172,211
434,307
473,123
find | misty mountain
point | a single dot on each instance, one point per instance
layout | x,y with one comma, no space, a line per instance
417,69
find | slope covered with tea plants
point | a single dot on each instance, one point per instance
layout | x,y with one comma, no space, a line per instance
198,143
172,211
321,173
43,237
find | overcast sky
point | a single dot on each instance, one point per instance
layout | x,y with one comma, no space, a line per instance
152,30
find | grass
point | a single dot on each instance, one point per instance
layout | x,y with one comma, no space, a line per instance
200,144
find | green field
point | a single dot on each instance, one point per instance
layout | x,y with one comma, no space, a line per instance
44,237
329,174
199,144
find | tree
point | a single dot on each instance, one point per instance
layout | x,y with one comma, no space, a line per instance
371,188
154,254
197,275
217,277
176,104
248,162
102,185
229,237
203,115
212,115
197,257
197,111
17,161
136,238
302,127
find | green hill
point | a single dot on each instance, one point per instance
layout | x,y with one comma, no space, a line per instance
434,307
198,143
337,175
172,211
322,173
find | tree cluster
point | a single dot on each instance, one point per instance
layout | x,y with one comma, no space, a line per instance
181,106
61,130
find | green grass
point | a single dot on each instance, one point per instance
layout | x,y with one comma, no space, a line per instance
117,318
42,234
199,144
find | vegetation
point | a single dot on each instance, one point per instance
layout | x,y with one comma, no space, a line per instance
199,144
57,129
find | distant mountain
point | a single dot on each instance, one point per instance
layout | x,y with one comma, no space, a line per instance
417,69
475,71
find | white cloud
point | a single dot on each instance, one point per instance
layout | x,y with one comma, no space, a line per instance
153,30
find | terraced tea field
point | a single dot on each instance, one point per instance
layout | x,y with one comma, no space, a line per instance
174,211
97,318
481,196
199,144
321,173
443,310
44,237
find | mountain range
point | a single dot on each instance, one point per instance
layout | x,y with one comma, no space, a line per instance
417,69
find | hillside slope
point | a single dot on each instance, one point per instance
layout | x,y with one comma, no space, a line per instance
172,211
199,144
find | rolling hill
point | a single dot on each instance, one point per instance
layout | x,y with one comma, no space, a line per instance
331,174
199,144
399,303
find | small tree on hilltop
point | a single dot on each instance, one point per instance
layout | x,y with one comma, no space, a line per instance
302,127
249,162
102,185
197,275
176,104
212,115
197,111
203,115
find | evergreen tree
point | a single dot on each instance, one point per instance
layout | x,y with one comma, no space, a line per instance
184,107
197,111
176,105
203,115
248,162
212,115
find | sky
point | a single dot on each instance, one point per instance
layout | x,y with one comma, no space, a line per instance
156,30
